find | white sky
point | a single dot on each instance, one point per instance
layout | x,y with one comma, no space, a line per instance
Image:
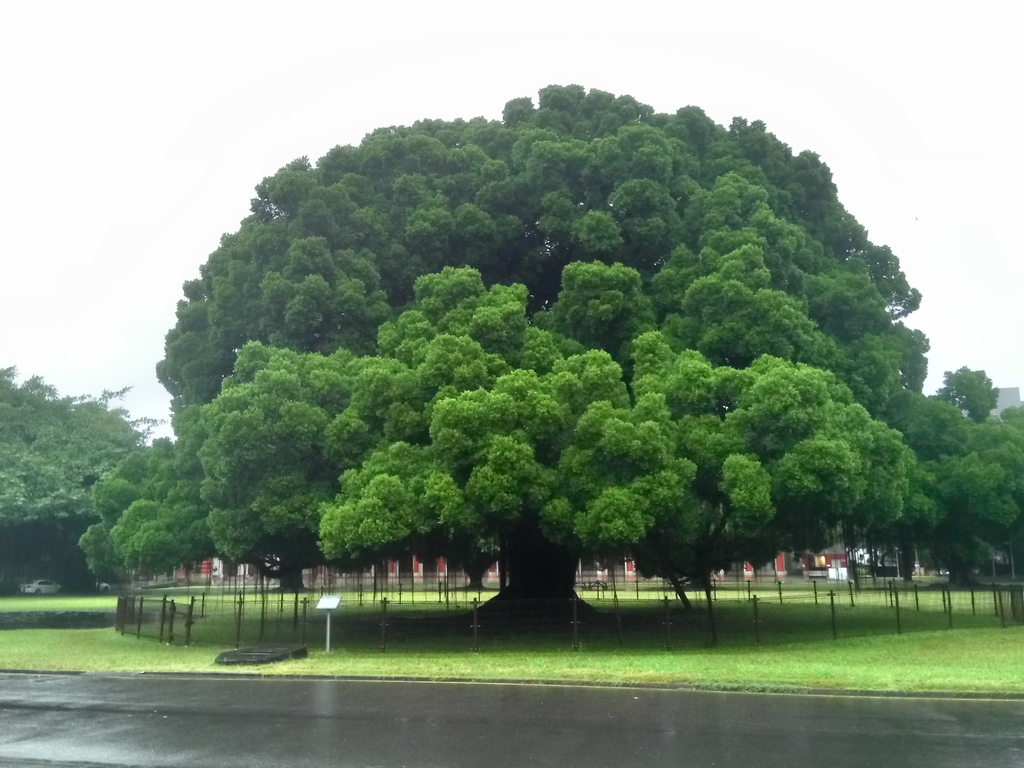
132,135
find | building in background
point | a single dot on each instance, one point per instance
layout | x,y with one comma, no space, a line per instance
1009,397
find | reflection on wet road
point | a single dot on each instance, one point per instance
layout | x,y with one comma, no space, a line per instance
90,720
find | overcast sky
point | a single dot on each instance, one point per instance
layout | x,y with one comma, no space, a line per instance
133,135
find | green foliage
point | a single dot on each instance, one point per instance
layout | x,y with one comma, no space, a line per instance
264,464
713,463
705,466
967,496
53,449
743,246
151,513
453,434
970,391
602,307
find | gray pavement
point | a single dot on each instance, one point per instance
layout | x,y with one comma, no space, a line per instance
92,720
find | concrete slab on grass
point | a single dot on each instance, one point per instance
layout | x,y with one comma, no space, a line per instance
262,654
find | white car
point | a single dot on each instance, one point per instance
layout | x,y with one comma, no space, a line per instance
40,587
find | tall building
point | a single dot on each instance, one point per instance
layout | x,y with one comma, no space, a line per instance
1009,397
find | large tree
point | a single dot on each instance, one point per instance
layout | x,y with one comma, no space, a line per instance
585,221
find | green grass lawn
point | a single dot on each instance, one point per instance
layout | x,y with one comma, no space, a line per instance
59,603
989,660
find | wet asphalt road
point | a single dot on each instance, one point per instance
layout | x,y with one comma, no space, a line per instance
90,720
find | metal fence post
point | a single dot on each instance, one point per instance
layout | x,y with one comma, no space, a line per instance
973,612
238,621
832,602
780,591
476,627
851,594
757,627
138,627
995,602
202,607
949,598
188,622
576,626
899,629
815,584
263,614
944,609
384,625
163,617
1002,611
668,627
170,626
917,599
618,618
305,608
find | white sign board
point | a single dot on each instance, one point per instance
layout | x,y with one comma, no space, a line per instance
328,603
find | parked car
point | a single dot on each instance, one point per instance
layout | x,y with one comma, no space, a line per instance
40,587
102,587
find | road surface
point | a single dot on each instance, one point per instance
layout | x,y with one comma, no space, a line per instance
95,720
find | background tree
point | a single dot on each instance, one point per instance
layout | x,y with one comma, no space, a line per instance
52,451
152,517
971,392
967,497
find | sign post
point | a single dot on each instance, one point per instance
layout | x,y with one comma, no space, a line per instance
330,604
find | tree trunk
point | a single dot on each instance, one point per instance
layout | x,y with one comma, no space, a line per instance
538,568
670,574
907,561
476,568
851,555
503,564
405,574
873,558
960,573
290,577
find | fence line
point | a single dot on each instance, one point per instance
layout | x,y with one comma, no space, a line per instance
655,619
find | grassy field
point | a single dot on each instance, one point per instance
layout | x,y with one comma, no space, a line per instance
965,651
984,660
59,603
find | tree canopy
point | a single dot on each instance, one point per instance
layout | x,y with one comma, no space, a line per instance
584,329
742,247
